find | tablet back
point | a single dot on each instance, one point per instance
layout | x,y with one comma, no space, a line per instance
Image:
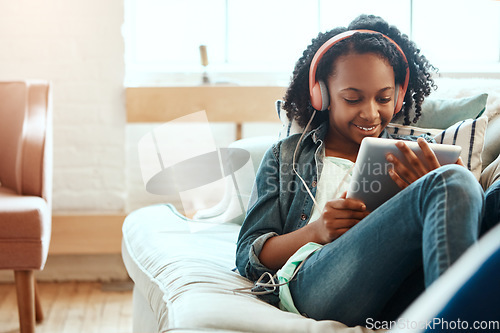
371,182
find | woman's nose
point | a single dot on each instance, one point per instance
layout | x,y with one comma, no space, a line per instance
369,111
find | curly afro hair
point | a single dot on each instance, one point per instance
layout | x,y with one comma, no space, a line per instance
297,101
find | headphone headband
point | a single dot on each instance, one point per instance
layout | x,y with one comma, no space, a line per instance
319,97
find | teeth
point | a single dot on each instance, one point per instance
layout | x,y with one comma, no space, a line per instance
365,128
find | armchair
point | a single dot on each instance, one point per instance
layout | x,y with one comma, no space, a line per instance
25,189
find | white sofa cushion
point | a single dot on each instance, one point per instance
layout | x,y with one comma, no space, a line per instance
187,278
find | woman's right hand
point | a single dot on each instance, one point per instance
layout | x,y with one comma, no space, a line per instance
338,216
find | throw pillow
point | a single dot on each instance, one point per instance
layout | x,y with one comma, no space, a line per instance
442,113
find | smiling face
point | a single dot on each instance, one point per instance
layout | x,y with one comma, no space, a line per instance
361,93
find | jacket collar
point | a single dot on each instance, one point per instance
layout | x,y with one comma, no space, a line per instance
319,133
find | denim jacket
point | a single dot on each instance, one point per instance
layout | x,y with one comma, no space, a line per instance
279,203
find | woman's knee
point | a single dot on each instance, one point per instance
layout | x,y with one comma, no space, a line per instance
459,184
455,170
459,176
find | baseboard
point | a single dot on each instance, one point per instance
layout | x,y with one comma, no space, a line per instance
86,234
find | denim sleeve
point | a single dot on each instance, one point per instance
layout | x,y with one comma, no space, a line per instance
263,218
254,252
426,136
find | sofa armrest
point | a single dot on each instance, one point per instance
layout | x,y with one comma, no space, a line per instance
233,206
491,174
491,148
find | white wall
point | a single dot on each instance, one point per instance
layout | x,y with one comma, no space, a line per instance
78,46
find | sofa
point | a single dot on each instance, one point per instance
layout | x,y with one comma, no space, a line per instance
184,269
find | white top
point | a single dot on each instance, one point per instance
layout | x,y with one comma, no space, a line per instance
334,180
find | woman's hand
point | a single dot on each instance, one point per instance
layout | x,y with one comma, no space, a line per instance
404,176
338,216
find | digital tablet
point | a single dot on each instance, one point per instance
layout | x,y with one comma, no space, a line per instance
371,182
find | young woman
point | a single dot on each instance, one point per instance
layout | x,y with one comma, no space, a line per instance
355,264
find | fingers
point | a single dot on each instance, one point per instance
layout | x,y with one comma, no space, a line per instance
341,223
333,228
402,184
347,204
399,172
430,157
402,174
418,168
345,209
343,214
460,162
339,215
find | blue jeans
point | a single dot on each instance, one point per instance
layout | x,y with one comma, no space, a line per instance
379,266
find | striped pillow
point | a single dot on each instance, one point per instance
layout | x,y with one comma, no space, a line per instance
469,134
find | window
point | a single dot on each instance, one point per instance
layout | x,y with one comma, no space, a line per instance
268,36
458,34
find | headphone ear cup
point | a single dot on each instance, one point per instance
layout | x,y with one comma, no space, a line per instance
319,96
325,97
399,98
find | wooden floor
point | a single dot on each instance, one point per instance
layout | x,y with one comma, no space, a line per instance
73,307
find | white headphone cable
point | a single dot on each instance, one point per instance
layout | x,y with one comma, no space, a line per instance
293,162
316,205
273,281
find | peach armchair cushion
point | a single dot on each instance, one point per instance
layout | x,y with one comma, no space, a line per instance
25,174
25,235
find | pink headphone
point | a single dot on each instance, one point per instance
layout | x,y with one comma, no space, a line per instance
318,90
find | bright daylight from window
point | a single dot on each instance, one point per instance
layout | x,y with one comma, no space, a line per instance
266,36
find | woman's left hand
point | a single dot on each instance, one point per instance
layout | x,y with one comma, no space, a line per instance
404,176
